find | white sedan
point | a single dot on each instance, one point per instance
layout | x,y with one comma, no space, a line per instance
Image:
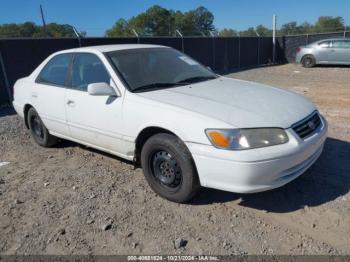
185,125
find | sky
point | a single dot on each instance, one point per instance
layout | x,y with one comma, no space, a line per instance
95,17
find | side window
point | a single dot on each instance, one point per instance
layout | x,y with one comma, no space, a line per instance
341,44
324,44
88,69
55,71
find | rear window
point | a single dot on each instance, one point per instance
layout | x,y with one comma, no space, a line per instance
324,44
55,71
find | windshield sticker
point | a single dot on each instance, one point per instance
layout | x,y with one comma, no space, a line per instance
188,60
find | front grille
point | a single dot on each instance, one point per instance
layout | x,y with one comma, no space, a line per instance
307,126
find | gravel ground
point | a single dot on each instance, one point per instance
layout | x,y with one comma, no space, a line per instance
74,200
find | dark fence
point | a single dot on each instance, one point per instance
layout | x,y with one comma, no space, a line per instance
289,44
22,56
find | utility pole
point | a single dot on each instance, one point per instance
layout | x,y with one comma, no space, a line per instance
274,38
43,18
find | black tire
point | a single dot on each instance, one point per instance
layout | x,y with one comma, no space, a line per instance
169,168
308,61
38,130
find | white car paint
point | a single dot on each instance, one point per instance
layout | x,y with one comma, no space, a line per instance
113,126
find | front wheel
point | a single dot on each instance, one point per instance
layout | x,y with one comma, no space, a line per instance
38,130
169,168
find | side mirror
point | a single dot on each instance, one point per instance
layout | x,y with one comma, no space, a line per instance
101,89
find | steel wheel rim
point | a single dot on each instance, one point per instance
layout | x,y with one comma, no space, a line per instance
165,169
37,127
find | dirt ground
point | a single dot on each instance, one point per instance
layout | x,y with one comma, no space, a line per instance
74,200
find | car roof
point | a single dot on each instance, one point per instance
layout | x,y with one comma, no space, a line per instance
109,48
333,39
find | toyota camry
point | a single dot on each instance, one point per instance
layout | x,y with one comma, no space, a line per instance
185,125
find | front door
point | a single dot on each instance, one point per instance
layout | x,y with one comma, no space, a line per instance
340,52
94,120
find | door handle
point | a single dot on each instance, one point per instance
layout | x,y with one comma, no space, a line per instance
34,95
71,103
332,50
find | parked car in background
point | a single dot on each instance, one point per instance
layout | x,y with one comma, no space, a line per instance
334,51
185,125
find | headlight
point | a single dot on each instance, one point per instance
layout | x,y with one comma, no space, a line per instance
238,139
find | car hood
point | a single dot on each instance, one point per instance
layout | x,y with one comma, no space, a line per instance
237,102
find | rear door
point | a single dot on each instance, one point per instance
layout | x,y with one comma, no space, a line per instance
340,52
95,120
48,95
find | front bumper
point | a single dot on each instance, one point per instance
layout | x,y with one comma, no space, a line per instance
256,170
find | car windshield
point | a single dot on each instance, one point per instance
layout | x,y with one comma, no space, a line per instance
146,69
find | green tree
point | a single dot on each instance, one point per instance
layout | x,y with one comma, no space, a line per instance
203,20
178,19
158,21
263,31
329,24
57,30
307,28
228,32
291,28
120,28
9,30
249,32
30,29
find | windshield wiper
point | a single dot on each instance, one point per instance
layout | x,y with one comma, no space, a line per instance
161,85
155,86
196,79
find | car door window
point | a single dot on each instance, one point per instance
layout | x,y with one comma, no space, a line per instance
341,44
324,44
55,71
88,69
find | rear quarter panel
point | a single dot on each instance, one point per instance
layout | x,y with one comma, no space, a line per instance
22,95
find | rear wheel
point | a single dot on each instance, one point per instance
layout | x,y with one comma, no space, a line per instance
38,130
308,61
169,168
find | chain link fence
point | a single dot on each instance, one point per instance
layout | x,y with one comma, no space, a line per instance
223,54
22,56
289,44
